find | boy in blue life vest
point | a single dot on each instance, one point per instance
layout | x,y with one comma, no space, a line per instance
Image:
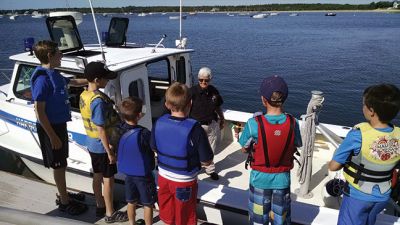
52,107
276,136
99,118
136,161
368,155
182,148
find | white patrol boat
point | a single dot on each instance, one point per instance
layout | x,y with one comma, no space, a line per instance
146,72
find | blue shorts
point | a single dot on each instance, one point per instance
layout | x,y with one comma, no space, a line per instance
140,190
269,203
358,212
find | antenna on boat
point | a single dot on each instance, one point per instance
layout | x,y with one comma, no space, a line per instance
180,19
181,43
159,43
97,32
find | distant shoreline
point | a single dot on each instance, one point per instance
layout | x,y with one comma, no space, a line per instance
308,11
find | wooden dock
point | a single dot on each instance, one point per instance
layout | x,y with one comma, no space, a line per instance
31,199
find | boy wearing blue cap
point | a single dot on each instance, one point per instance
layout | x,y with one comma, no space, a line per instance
275,136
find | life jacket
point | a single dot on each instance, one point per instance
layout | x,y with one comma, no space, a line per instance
380,153
274,150
174,149
131,160
57,105
111,116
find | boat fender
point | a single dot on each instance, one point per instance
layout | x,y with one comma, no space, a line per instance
335,187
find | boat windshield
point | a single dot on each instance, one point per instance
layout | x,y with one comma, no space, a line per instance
63,30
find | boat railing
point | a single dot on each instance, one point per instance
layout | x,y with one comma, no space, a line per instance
14,216
3,73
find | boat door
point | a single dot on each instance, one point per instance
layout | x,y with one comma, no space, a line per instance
134,82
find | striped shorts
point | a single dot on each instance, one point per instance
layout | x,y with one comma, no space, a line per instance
269,204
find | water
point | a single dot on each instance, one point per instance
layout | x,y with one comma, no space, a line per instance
339,55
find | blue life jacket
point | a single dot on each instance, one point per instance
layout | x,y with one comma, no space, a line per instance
131,160
173,145
57,105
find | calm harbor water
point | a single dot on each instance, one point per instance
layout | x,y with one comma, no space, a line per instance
339,56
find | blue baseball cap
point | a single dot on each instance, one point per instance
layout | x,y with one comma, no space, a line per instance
273,84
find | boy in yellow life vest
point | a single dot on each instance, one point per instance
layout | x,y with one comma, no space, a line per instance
99,117
368,155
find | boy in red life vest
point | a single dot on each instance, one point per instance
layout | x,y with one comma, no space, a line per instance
136,161
182,148
276,136
369,154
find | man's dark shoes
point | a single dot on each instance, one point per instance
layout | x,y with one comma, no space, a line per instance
214,176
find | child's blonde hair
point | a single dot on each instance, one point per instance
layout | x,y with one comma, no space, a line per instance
177,97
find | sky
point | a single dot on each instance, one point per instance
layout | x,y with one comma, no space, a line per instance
42,4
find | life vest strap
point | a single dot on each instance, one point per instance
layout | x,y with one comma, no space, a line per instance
289,138
367,171
264,139
173,156
360,177
173,167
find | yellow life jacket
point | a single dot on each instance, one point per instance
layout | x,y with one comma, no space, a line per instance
380,153
111,116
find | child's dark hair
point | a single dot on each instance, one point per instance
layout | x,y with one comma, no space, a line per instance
130,108
42,48
384,99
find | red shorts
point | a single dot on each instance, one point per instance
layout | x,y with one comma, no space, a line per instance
177,201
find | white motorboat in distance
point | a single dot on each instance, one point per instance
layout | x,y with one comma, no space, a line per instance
146,72
177,17
259,16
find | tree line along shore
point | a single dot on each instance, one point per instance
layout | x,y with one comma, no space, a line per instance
382,5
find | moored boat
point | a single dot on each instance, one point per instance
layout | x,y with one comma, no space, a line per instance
177,17
259,16
330,14
220,202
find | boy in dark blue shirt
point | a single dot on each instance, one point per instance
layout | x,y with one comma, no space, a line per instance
136,161
52,108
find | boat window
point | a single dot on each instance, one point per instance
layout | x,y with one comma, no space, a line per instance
22,88
136,90
63,30
181,70
117,31
159,78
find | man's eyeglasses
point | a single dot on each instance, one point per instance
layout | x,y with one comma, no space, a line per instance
204,80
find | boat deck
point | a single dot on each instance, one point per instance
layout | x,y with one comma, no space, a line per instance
230,162
35,198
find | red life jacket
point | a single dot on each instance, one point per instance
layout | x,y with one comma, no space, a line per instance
274,152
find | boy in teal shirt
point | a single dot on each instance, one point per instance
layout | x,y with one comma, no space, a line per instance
276,136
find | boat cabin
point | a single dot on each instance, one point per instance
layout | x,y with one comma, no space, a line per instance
143,71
